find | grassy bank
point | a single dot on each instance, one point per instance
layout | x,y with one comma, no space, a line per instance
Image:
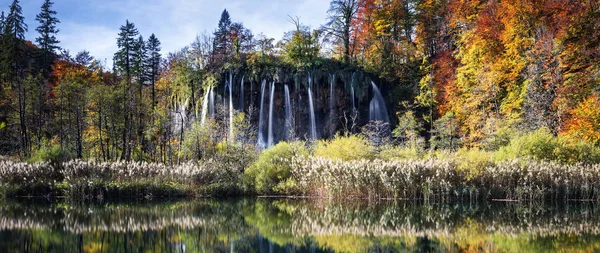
536,166
88,180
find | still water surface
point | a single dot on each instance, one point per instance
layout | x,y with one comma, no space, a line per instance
284,225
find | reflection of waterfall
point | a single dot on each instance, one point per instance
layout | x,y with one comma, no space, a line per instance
261,140
230,107
270,136
288,114
241,103
205,105
377,108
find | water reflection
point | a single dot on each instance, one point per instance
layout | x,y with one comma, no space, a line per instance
282,225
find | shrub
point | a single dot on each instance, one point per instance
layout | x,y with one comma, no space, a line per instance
543,145
347,148
54,154
389,153
272,168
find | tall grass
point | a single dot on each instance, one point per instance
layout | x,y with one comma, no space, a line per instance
439,179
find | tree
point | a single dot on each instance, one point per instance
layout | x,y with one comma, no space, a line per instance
153,64
124,59
47,29
84,58
342,15
2,23
12,55
222,41
301,46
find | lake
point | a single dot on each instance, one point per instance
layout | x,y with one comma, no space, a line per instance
292,225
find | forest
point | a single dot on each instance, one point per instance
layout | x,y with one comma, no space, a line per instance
454,92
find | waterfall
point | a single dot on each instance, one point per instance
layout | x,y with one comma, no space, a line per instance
205,106
270,136
231,137
313,124
211,106
352,91
331,104
261,141
288,114
377,108
241,103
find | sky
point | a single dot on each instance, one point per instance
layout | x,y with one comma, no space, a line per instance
93,25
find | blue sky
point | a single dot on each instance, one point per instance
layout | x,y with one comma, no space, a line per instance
93,24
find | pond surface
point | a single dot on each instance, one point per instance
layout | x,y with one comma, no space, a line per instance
285,225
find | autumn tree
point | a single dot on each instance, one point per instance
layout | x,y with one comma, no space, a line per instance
341,23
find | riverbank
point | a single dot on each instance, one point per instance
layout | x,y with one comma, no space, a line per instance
288,172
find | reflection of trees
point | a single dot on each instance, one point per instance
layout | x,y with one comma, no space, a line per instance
219,226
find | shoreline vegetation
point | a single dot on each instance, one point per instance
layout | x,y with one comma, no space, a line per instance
536,166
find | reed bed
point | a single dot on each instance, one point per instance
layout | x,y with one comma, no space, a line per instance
439,179
91,179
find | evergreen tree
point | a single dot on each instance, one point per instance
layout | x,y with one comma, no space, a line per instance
124,59
153,63
12,54
47,29
222,38
2,23
15,22
139,59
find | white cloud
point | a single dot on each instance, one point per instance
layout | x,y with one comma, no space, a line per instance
100,41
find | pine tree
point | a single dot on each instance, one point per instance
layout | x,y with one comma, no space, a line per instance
15,22
222,38
2,23
124,59
153,63
47,29
139,59
12,53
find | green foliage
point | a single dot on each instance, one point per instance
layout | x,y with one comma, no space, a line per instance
389,153
543,145
271,171
407,130
347,148
54,154
445,133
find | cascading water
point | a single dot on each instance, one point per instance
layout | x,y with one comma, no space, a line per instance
313,124
261,141
288,114
211,106
377,109
270,140
352,91
241,103
231,107
205,106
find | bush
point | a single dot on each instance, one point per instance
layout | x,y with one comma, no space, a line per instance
54,154
271,171
390,153
543,145
347,148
